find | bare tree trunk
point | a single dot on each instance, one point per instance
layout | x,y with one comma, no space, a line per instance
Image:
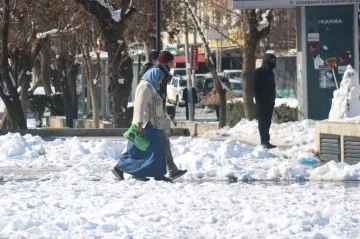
120,63
36,76
62,71
12,103
91,85
149,44
252,36
56,81
15,63
66,90
247,81
73,71
5,121
94,102
210,65
44,76
25,79
121,77
28,61
55,76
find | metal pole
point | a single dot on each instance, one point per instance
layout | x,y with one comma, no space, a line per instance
217,56
84,88
194,71
158,24
107,105
88,99
188,71
139,68
103,93
220,55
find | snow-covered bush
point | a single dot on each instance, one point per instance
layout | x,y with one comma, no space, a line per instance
285,113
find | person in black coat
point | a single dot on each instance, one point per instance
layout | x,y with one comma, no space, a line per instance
153,58
164,61
265,94
185,97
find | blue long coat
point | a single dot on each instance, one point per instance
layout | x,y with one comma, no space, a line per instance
150,163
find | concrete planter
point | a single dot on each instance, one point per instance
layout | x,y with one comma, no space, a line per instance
198,128
60,122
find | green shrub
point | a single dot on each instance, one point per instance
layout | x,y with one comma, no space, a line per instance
56,105
37,105
285,113
234,113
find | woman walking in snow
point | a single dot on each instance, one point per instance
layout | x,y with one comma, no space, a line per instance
148,117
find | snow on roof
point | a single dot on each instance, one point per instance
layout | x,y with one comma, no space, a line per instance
291,52
103,55
232,70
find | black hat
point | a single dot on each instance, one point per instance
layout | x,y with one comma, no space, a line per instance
153,55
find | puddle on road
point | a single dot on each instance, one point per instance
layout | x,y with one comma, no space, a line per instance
346,184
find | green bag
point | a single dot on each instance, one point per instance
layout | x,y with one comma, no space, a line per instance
137,138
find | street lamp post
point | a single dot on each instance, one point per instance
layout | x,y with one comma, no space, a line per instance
158,26
188,71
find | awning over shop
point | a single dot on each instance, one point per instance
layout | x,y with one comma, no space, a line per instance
181,59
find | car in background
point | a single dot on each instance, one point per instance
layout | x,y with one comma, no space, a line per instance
178,71
208,84
236,87
232,74
175,89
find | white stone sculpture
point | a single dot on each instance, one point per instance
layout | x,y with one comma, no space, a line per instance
346,100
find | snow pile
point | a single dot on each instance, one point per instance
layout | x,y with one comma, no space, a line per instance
299,134
14,146
346,101
216,156
336,171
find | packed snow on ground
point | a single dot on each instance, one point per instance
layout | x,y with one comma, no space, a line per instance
71,205
79,198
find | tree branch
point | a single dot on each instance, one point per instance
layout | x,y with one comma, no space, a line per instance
124,7
101,12
105,14
36,50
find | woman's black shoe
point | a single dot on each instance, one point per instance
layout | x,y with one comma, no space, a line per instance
143,179
163,178
118,173
177,174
